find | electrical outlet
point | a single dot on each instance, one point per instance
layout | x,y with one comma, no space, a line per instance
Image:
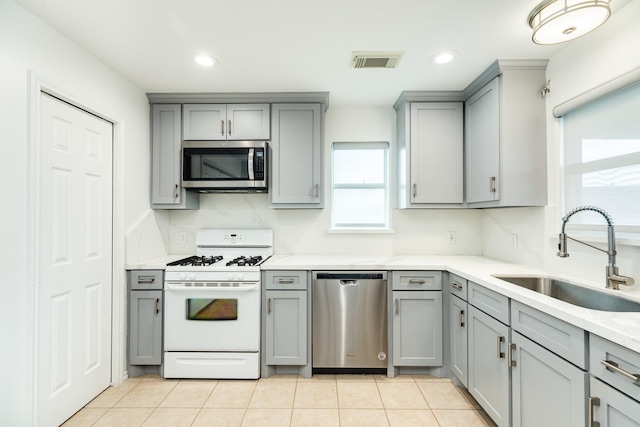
451,237
514,241
182,236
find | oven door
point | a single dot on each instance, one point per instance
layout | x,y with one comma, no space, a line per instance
212,317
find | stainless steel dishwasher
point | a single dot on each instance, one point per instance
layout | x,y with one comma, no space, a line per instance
349,320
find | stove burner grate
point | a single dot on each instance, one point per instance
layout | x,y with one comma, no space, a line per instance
245,260
196,260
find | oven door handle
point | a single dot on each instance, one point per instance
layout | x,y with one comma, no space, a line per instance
180,287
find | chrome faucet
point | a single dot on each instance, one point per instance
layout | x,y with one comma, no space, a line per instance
614,280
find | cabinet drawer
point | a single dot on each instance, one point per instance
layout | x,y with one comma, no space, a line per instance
458,286
145,279
627,361
417,280
286,280
565,340
492,303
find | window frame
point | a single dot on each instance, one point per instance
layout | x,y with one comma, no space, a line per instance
386,186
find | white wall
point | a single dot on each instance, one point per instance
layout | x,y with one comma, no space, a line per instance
602,55
27,44
302,231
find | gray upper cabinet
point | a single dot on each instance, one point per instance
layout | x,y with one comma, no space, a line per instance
296,166
166,188
222,122
430,154
505,136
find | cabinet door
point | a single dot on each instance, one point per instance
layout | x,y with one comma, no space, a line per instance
295,179
417,328
436,152
614,409
286,331
145,327
546,389
204,122
489,375
165,146
248,122
166,187
458,330
482,139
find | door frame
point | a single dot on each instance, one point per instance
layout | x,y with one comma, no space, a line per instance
118,294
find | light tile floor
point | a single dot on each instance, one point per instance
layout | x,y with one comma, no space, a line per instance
284,400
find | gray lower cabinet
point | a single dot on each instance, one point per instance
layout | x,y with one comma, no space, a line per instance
458,313
145,317
286,327
295,179
166,170
417,328
546,389
489,373
611,408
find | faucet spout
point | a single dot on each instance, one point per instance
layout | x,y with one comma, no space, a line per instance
613,278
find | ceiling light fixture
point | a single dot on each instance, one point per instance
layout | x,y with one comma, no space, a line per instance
206,60
557,21
445,57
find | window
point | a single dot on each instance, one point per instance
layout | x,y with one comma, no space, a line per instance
602,159
360,186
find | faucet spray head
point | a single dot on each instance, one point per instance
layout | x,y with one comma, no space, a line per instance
562,246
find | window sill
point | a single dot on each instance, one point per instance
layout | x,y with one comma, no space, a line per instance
360,231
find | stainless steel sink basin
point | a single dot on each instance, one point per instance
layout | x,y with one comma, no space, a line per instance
573,294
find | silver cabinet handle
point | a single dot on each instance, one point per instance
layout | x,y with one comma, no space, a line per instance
289,281
457,286
268,305
157,305
221,127
229,127
500,352
510,362
176,195
146,279
492,184
417,281
593,401
415,190
613,366
397,307
462,318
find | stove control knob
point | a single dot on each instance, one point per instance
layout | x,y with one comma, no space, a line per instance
229,276
240,276
183,276
192,276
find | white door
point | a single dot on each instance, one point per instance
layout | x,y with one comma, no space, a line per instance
74,241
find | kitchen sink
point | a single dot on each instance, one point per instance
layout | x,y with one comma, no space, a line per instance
573,294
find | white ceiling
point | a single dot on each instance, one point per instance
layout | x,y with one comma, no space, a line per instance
297,45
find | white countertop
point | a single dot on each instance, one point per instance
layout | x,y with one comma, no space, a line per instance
621,328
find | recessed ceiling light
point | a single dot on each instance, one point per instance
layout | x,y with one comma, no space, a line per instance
444,57
206,60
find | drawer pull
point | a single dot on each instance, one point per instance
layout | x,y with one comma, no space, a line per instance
500,352
613,366
287,281
417,281
593,401
457,286
146,279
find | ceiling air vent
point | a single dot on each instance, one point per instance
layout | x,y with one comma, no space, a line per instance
375,59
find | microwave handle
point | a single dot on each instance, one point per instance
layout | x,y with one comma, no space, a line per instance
250,163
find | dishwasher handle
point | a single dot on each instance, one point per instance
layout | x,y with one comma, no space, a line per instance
348,282
350,276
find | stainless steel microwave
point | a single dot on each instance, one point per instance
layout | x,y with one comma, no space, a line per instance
225,166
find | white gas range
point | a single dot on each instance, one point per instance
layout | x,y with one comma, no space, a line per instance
212,306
